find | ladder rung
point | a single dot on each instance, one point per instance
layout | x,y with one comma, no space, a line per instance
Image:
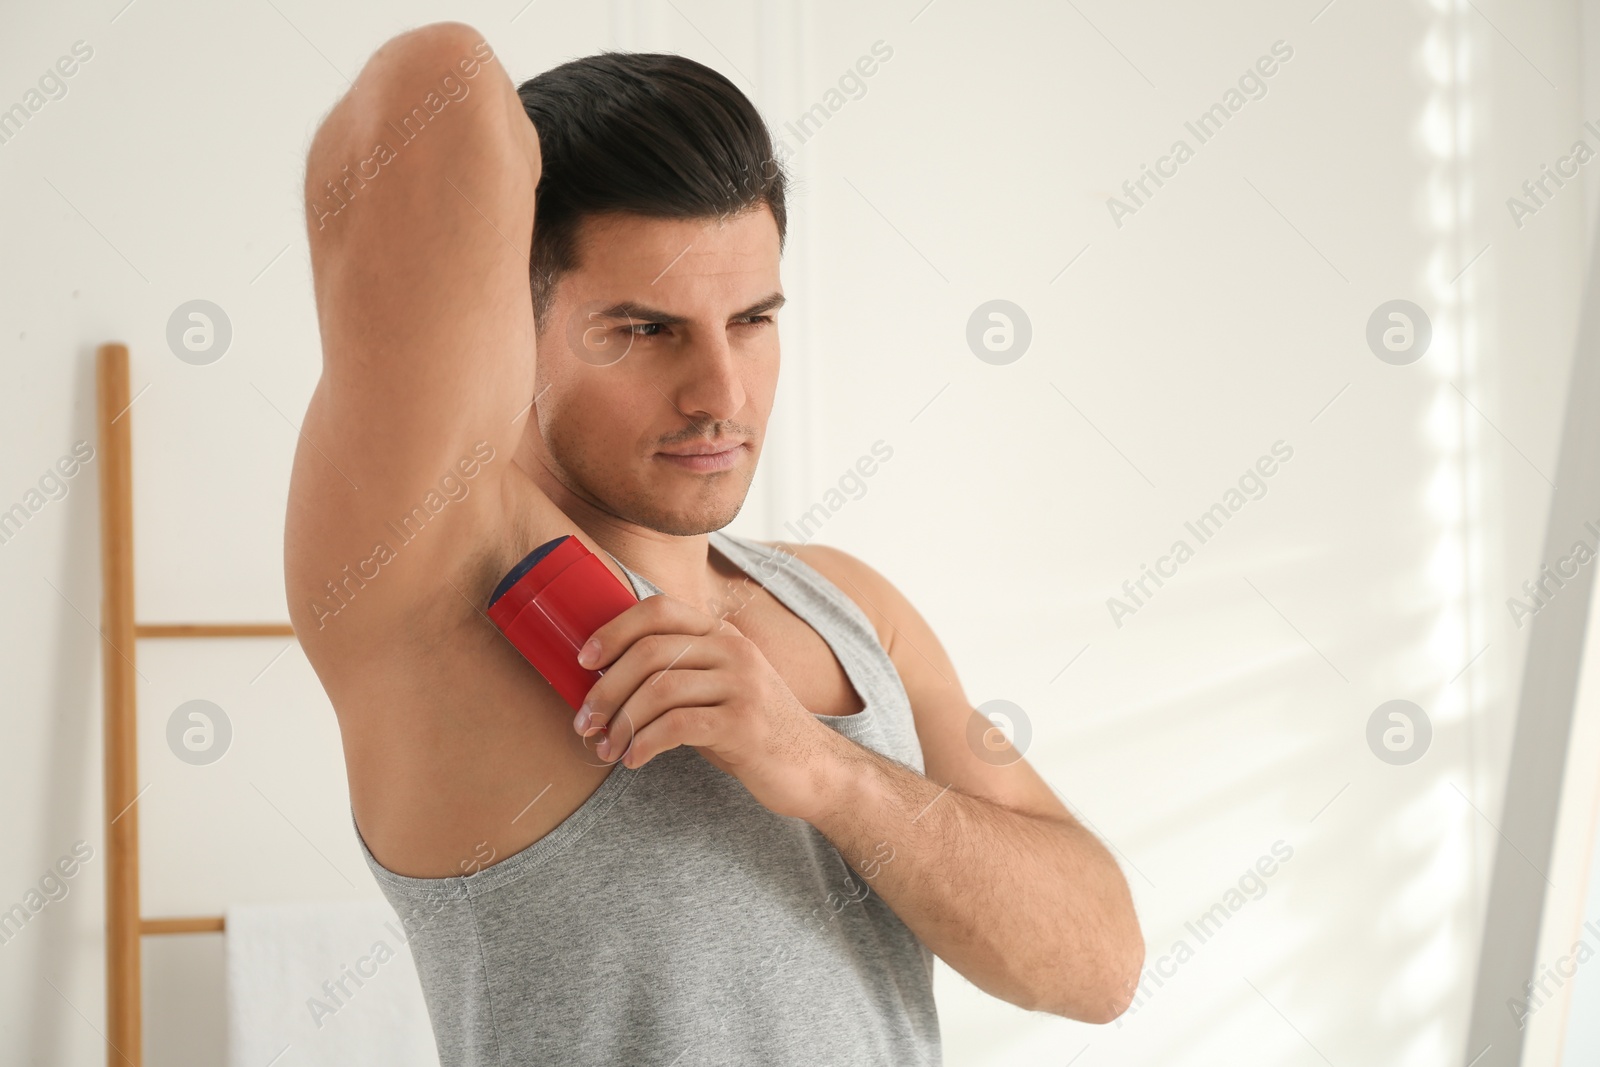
200,924
213,629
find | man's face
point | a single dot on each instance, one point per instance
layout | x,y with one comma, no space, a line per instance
661,344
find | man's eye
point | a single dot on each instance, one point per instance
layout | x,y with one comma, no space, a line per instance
654,329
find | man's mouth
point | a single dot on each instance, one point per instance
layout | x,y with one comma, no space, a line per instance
705,456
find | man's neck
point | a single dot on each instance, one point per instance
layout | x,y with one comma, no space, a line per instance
678,566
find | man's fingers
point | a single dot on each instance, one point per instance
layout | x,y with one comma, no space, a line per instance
694,726
642,667
676,689
659,614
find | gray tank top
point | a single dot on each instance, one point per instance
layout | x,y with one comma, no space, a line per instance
673,920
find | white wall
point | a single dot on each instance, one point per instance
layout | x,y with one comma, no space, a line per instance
1229,713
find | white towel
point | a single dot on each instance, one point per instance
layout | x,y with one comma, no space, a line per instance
323,984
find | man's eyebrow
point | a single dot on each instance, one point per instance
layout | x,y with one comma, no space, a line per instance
637,312
770,302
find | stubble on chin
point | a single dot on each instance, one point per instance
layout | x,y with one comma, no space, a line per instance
652,504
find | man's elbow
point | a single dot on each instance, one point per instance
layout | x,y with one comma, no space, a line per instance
422,94
401,71
424,54
1121,984
1102,993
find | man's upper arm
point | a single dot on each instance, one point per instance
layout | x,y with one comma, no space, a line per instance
419,251
944,718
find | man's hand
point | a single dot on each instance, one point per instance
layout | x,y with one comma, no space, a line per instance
677,676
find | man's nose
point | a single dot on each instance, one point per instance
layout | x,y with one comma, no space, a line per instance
710,386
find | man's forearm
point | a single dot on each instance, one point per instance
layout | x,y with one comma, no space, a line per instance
1030,909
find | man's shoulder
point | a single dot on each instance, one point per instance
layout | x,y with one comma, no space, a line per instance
909,641
869,590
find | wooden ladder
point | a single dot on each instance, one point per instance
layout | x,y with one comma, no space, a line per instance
124,923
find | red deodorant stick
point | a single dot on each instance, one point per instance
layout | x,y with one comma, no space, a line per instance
549,605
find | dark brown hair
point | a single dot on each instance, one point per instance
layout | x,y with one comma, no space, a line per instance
644,132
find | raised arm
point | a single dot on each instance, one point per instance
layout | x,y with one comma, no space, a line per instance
420,208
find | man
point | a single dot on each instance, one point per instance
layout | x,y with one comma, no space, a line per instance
799,816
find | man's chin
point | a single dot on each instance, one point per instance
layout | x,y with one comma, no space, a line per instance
680,521
689,526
